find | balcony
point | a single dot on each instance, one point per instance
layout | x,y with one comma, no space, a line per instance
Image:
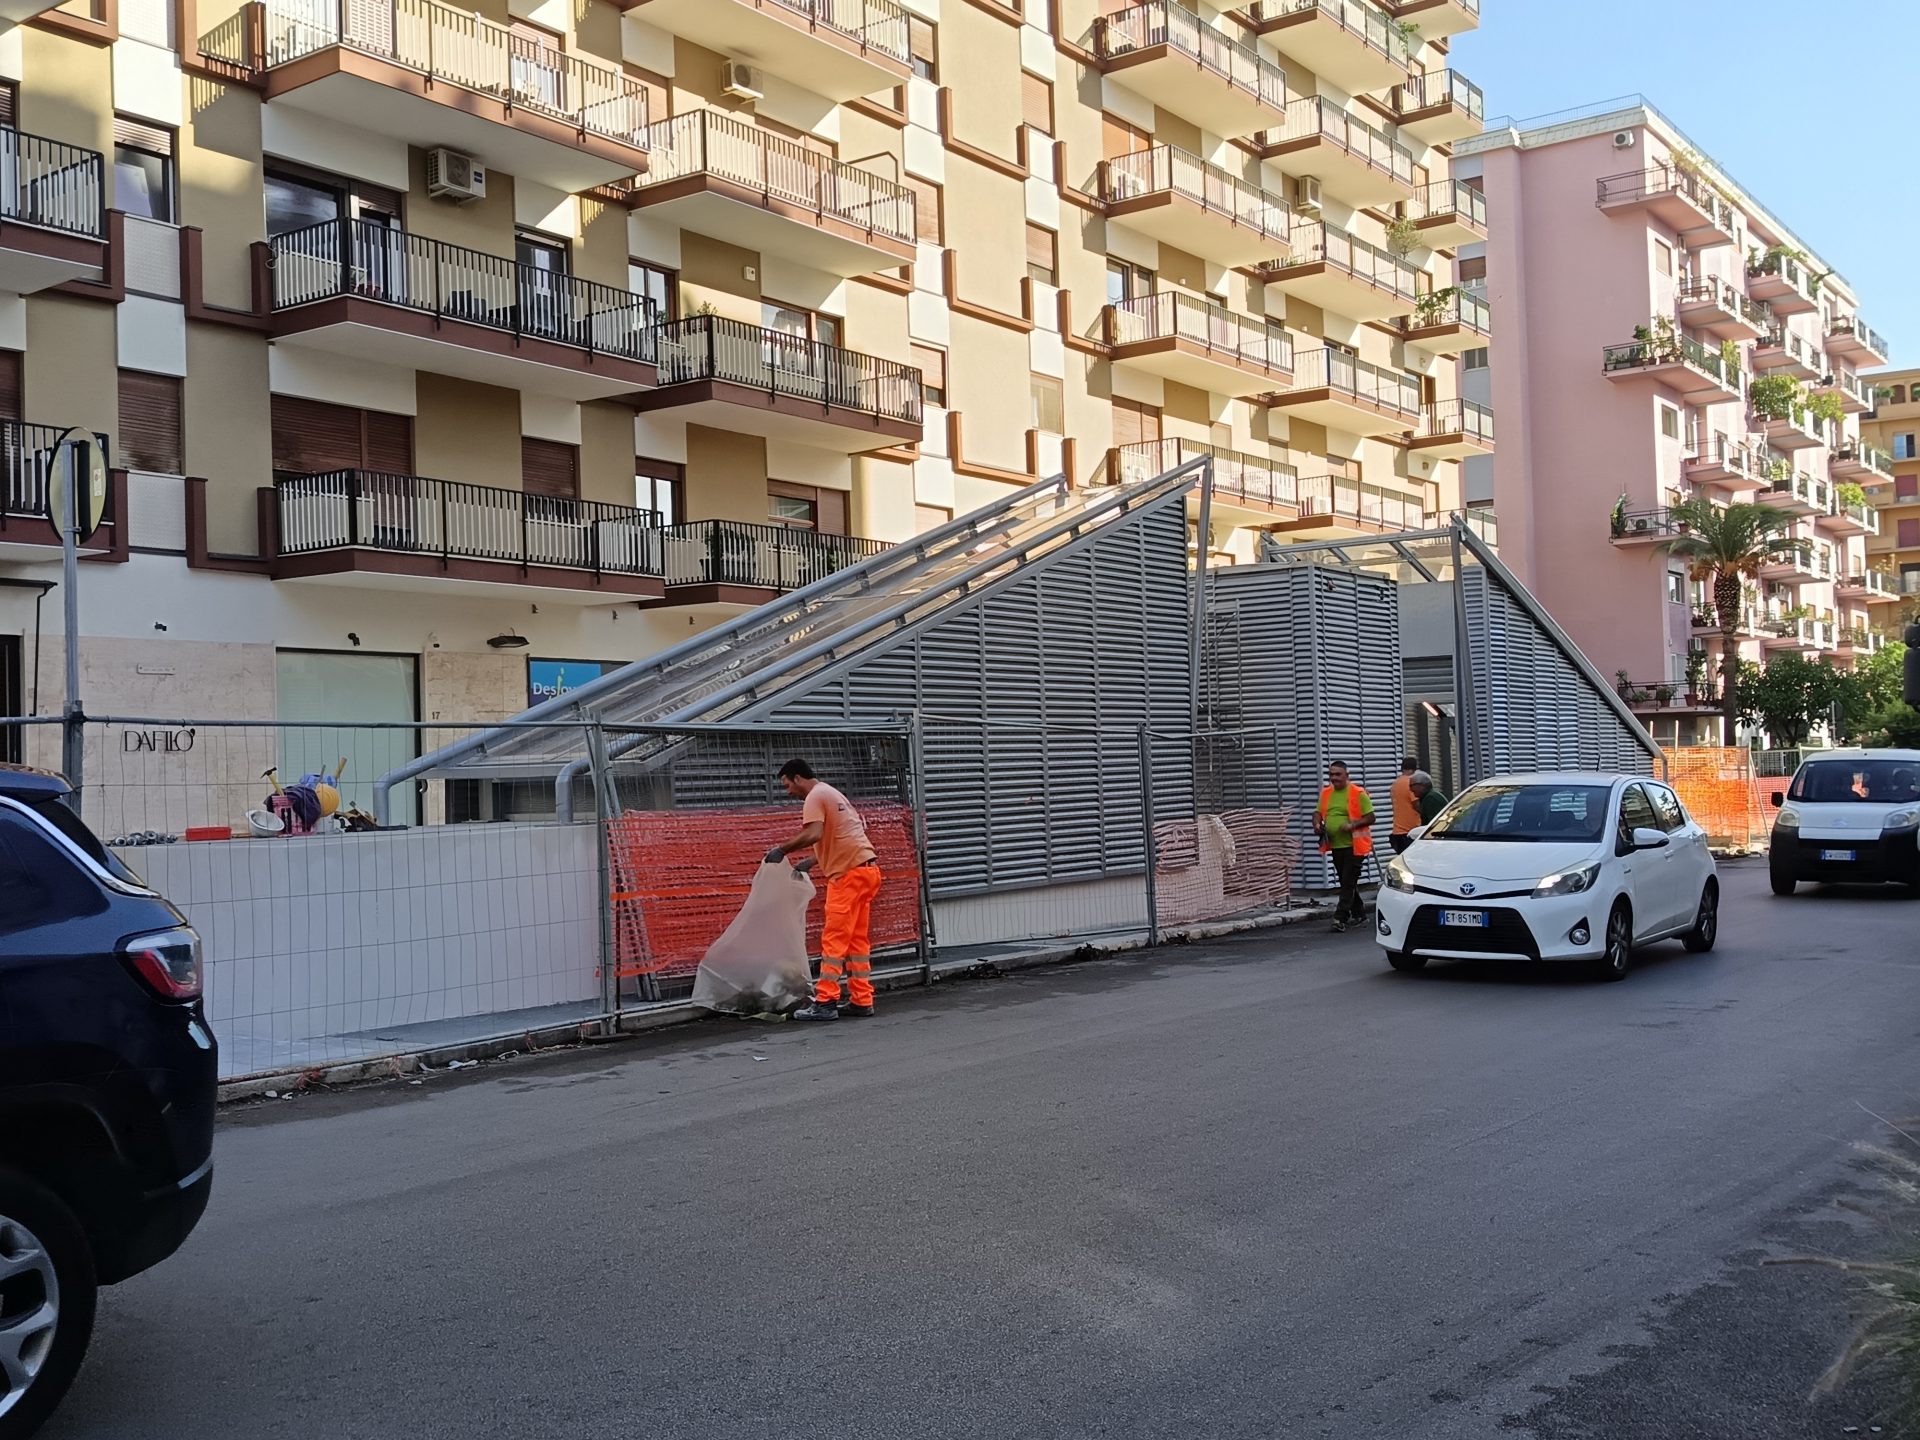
1851,339
1729,465
1181,337
1355,163
1799,566
1874,587
1797,494
1180,200
1857,641
1706,622
1249,485
839,49
426,73
1448,322
1188,68
1681,363
1855,460
1631,529
1437,19
361,289
1854,392
1779,632
1343,275
1350,45
730,375
1782,282
403,532
53,215
1664,697
1453,430
1335,508
732,562
1440,107
1449,214
1844,518
1683,202
1716,308
717,175
1334,389
1782,352
1795,427
27,534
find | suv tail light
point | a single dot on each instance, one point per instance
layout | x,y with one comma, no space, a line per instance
167,962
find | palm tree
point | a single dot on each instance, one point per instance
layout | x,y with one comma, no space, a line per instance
1726,545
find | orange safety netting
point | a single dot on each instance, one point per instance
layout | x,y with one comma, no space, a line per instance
1224,864
1717,786
679,877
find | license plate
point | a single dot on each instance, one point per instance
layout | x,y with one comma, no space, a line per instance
1465,919
1837,854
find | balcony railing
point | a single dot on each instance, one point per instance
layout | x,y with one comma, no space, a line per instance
1801,487
876,24
1786,268
1712,289
1315,115
1452,306
1852,327
1159,22
1644,524
707,142
710,347
1450,197
460,48
1167,169
1877,583
1362,21
764,557
1779,338
1170,315
1441,87
366,260
1637,185
1800,418
23,477
1639,354
1723,453
1456,417
1237,476
1331,496
408,514
1319,243
1344,374
1859,452
52,185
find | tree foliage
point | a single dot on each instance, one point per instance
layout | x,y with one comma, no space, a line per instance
1789,696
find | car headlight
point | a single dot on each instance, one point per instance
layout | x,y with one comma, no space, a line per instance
1788,819
1398,877
1568,882
1901,819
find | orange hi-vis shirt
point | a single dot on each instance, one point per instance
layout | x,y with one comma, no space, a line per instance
843,842
1406,809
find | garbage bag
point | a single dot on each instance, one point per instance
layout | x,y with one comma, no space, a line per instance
758,966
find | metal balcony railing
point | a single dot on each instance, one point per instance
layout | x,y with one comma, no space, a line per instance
52,185
1165,168
1236,475
1450,197
1452,306
409,514
1363,22
1441,87
1315,115
876,24
1328,244
1724,453
1638,354
1172,315
1159,22
1338,371
1853,327
1638,185
1457,417
26,452
1712,289
1799,417
710,347
1783,341
1641,524
1878,461
462,49
707,142
770,557
1371,505
371,261
1785,267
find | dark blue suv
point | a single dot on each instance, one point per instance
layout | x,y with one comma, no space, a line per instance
107,1084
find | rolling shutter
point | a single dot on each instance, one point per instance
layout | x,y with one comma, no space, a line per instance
1134,423
549,468
153,139
10,384
926,210
389,442
150,437
1036,102
311,437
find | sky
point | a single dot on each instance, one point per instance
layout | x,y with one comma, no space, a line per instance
1811,105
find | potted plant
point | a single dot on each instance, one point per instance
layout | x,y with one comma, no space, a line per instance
1663,695
1696,673
1730,356
1619,517
1774,397
1403,237
1622,684
1828,407
1431,308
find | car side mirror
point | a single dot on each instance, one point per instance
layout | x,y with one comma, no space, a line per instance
1778,799
1416,832
1647,839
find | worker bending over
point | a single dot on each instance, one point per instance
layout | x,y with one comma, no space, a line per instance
832,828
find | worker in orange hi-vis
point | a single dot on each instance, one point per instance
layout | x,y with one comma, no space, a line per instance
833,829
1406,809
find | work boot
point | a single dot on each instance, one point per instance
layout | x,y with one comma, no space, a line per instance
818,1011
857,1012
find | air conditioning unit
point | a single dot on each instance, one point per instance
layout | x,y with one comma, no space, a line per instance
742,82
1623,139
1307,198
453,176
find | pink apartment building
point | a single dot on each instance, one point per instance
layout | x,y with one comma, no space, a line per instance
1642,294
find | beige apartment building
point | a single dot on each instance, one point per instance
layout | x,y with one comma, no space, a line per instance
1892,430
447,355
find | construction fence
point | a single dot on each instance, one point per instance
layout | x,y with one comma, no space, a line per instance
477,916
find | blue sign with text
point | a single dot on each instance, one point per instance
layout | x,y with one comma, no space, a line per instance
548,678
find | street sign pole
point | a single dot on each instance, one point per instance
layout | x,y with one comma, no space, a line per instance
77,481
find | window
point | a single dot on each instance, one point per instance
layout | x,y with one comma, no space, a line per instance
312,437
658,289
539,68
1472,269
1670,422
1043,255
1662,257
929,217
294,203
143,179
920,44
930,517
1676,587
549,468
1049,404
660,487
1906,487
659,92
1475,359
1909,534
1127,282
933,374
150,437
42,884
1896,394
11,382
1903,447
1667,806
1036,103
1636,811
1135,423
804,507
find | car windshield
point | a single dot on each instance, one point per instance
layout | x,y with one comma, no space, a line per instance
56,814
1870,782
1568,813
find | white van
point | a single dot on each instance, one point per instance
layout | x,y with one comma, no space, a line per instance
1851,816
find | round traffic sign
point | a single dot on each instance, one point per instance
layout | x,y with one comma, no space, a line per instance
79,454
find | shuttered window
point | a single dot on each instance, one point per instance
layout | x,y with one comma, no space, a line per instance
8,95
1036,102
154,139
549,468
1117,137
1474,267
920,44
1043,255
389,442
1134,423
150,431
928,215
10,384
311,437
933,374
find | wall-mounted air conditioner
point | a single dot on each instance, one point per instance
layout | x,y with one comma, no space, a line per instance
453,176
1306,200
742,82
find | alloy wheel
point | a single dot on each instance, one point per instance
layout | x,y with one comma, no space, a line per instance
29,1310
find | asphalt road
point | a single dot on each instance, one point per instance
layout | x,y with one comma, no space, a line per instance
1265,1188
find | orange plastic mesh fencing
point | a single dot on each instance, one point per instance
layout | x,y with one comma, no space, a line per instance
1217,866
679,877
1716,785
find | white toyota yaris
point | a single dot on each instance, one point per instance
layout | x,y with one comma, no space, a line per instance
1563,866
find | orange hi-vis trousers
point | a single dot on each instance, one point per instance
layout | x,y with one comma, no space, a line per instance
845,947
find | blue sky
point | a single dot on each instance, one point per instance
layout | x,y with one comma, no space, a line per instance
1810,104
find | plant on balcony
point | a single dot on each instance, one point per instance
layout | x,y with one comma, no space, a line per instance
1660,341
1696,673
1774,397
1725,545
1617,521
1403,237
1663,695
1621,684
1827,406
1767,261
1849,496
1409,31
1730,357
1431,309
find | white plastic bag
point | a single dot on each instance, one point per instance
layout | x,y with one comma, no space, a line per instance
758,966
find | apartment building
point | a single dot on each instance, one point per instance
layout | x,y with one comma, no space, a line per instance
447,355
1665,336
1891,431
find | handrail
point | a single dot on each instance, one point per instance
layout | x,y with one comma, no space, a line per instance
23,480
1344,499
773,557
1320,243
1169,314
1161,22
1450,197
52,185
1167,168
1440,87
1236,475
1854,327
712,347
1638,353
1457,417
1712,288
876,24
1316,115
1361,21
1453,306
1337,370
1658,180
